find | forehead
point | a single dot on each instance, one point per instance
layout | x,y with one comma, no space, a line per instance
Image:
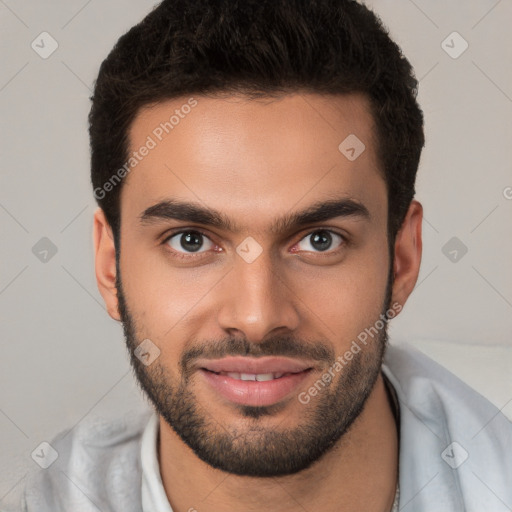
254,159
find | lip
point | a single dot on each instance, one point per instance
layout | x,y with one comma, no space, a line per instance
254,393
242,364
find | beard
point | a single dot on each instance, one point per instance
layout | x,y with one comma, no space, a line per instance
253,449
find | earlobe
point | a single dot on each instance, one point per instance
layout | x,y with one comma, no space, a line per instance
408,247
105,262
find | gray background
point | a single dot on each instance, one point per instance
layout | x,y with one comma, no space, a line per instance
63,358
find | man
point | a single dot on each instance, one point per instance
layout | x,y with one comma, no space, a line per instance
254,163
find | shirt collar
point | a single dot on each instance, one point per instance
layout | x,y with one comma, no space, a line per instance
153,492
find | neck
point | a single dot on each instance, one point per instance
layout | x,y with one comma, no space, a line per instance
358,473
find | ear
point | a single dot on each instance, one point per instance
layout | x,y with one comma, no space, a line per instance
105,262
408,247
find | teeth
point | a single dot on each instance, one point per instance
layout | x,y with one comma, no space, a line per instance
260,377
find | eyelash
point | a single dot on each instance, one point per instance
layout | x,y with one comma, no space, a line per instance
182,255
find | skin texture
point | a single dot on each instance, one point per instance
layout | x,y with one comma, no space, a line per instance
255,161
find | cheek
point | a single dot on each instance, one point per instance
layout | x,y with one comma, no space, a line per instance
163,298
345,299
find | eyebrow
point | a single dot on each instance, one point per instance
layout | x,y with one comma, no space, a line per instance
172,209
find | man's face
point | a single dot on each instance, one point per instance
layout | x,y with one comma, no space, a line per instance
255,297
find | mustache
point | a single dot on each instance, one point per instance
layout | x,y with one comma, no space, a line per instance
285,346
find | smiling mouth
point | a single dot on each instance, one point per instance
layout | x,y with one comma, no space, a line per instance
254,382
258,377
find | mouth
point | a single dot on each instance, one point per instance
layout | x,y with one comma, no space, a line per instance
259,377
254,381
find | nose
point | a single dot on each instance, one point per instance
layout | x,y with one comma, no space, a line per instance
256,300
